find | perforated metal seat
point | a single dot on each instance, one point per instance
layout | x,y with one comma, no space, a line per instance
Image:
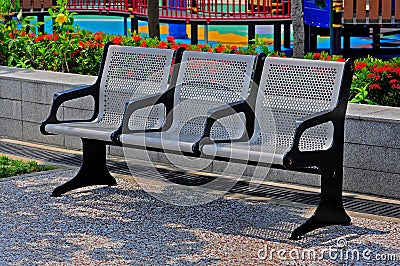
129,73
205,80
290,89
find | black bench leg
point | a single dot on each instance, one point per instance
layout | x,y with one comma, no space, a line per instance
330,210
93,170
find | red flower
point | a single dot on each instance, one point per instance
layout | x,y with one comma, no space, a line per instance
359,65
143,44
162,45
117,40
170,39
136,38
340,59
98,38
48,37
39,38
396,86
371,76
317,56
374,87
219,49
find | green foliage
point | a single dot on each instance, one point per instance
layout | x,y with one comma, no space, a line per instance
7,8
10,167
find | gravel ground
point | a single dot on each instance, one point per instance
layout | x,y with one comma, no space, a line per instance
123,225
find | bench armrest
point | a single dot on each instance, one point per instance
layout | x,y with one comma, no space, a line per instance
60,97
224,111
134,105
302,125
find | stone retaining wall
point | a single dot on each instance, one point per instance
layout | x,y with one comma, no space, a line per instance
372,142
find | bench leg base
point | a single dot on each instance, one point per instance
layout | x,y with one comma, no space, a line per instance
330,210
322,217
93,170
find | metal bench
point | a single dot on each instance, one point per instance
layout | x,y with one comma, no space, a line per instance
204,81
298,125
294,120
125,73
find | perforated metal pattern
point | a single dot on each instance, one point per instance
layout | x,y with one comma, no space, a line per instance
294,89
131,73
208,80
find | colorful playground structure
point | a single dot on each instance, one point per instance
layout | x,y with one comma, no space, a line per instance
334,18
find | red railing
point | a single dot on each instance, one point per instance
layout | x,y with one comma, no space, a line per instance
192,10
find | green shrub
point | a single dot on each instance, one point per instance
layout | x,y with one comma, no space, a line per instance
11,167
376,81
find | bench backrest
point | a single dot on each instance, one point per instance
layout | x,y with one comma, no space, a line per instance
207,80
291,89
130,73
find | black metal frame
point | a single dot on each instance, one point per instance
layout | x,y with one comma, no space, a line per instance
329,163
93,170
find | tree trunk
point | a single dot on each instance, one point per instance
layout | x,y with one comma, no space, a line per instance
153,19
298,28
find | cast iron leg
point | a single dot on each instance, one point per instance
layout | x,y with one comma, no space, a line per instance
330,210
93,170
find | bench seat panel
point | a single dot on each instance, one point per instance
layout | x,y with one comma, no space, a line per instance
88,130
247,152
165,140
